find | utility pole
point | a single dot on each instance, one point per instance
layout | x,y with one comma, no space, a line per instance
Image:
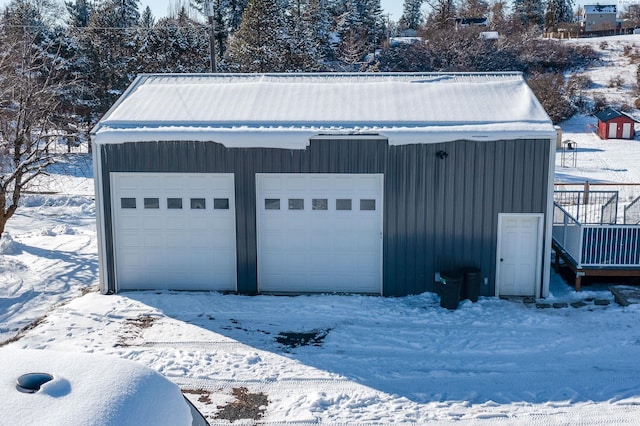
210,12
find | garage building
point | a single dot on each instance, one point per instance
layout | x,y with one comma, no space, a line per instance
340,183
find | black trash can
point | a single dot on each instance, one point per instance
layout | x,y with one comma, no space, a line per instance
471,284
450,286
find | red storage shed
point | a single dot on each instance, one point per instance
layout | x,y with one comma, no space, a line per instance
613,124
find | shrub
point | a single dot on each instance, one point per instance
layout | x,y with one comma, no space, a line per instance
637,103
600,103
616,81
577,83
549,88
625,107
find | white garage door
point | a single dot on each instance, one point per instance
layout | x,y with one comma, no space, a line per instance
174,231
319,233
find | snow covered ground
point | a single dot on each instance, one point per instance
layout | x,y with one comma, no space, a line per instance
325,358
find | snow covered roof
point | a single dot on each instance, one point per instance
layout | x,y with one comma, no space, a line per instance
611,113
594,9
286,110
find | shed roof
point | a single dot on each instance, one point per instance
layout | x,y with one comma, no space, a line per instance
611,113
286,110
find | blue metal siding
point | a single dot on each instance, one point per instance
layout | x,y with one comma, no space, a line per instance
438,213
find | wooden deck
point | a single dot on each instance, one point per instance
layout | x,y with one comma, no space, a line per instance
593,271
595,249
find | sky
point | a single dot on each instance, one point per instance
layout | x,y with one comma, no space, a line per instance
391,7
160,7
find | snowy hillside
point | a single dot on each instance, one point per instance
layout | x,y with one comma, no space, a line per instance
569,359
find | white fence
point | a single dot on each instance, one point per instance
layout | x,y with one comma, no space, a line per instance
596,245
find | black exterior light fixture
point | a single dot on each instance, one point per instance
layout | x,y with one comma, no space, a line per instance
442,154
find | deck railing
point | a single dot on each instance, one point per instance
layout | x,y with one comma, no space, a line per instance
567,232
589,206
596,245
632,213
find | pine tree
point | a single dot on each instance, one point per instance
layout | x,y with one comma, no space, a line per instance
226,19
411,15
558,11
307,42
176,44
109,45
259,45
361,29
147,20
530,12
78,13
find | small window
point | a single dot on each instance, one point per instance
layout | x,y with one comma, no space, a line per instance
319,204
198,203
343,204
174,203
367,204
296,204
151,203
272,204
128,203
221,203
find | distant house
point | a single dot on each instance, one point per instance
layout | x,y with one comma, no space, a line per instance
399,41
471,22
613,124
599,18
339,183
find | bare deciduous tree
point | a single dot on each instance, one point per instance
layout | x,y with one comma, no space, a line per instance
31,94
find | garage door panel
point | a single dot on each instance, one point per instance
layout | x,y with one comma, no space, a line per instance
179,247
315,248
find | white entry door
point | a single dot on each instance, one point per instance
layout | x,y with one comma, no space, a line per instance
319,233
613,130
519,255
626,130
174,231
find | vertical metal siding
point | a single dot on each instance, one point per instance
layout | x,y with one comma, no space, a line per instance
443,213
438,213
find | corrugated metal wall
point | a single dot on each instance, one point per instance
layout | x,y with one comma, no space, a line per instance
439,213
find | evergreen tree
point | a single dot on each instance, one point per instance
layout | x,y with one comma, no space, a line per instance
79,12
361,29
147,20
176,44
530,12
259,44
306,45
109,44
226,19
411,15
558,11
